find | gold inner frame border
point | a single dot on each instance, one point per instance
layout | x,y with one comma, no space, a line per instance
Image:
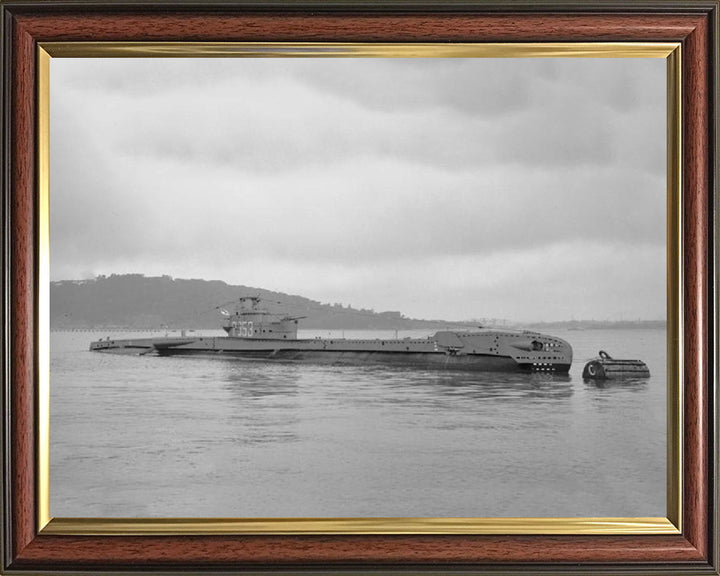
671,524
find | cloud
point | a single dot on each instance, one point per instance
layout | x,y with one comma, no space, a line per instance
446,112
238,169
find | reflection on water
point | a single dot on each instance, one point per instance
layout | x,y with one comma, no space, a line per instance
628,384
191,436
257,380
263,400
449,394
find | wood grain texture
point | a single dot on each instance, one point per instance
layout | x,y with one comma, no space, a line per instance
360,550
22,290
45,552
360,28
696,196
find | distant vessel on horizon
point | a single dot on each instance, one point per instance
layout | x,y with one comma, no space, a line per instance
255,333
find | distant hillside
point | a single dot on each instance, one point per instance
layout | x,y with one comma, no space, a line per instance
601,325
140,302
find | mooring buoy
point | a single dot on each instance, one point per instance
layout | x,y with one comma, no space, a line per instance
606,367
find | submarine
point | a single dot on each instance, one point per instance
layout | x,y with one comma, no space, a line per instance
252,332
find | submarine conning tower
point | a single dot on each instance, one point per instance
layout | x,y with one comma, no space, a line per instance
253,322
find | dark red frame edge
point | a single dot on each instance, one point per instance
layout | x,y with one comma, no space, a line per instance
692,23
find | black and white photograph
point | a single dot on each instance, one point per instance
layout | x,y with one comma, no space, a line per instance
358,287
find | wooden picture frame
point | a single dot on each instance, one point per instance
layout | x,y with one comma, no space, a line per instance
29,547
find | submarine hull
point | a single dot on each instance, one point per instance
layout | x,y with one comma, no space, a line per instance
490,351
420,360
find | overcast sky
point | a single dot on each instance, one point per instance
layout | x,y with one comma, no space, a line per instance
525,189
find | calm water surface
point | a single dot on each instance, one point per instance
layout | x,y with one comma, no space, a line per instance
148,436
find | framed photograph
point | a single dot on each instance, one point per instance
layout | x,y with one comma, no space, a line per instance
310,287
